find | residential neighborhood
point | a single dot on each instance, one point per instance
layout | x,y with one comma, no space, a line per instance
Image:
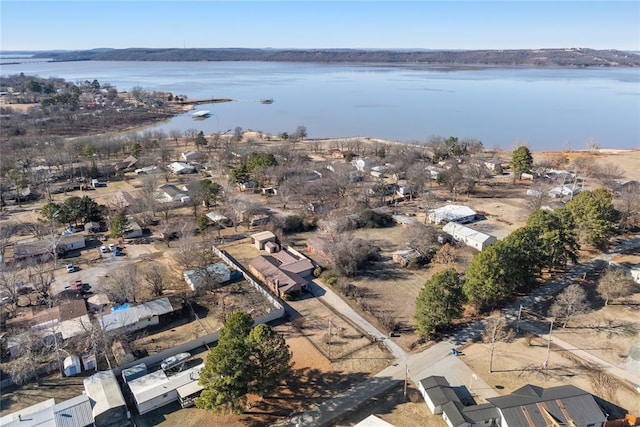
456,284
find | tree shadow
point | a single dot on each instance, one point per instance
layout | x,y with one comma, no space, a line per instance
305,388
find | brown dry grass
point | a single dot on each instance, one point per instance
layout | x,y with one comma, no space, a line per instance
517,364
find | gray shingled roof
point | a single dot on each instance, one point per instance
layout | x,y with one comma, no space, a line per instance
530,405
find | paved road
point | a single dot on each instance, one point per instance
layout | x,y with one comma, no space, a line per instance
437,359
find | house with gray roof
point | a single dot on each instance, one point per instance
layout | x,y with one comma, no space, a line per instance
138,317
528,406
74,412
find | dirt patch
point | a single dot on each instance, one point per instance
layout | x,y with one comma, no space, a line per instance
517,364
15,398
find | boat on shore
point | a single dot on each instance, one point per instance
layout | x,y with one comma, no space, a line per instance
202,114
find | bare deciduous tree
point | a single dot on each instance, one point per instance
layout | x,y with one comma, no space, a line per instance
571,301
122,284
155,275
496,330
615,284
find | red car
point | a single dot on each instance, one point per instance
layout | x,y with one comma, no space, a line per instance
77,285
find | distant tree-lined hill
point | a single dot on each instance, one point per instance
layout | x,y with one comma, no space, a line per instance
574,57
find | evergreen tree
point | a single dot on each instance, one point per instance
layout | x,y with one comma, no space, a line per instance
558,237
595,215
439,301
521,161
270,359
244,361
486,280
119,225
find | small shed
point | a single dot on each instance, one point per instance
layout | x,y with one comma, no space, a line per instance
89,361
260,239
405,256
72,366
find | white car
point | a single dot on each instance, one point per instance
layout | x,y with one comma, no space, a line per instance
71,268
104,249
111,247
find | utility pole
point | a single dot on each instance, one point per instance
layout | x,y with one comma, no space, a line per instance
329,339
518,321
546,362
406,374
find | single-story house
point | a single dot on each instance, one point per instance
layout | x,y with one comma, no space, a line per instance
404,190
194,156
218,218
564,191
71,242
267,269
125,164
74,412
436,391
457,213
121,200
260,239
217,273
180,168
156,389
363,163
147,170
137,317
32,248
563,405
527,406
107,402
469,236
292,261
135,230
170,193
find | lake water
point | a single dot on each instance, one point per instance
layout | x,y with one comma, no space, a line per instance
547,108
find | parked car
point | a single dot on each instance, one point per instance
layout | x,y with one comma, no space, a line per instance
104,249
71,268
69,230
112,247
77,285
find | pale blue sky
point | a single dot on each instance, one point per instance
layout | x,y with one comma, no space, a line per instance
86,24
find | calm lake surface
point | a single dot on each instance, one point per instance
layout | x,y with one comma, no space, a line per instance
550,109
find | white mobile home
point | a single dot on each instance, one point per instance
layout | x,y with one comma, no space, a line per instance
457,213
156,389
469,236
